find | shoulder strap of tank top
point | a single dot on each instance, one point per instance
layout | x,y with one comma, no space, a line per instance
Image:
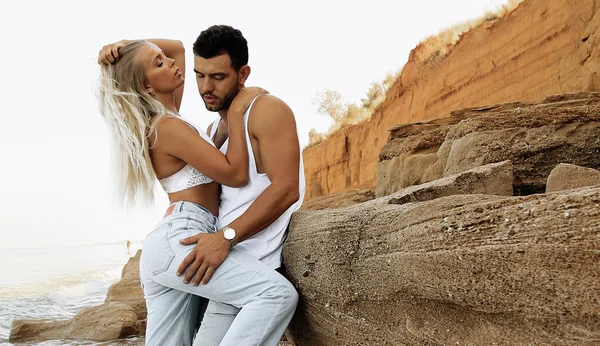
214,128
215,125
252,160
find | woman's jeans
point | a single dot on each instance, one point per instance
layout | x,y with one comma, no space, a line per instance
263,299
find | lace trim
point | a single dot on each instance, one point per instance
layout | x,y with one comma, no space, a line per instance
197,178
187,177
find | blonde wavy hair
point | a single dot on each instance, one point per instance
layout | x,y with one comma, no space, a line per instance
131,115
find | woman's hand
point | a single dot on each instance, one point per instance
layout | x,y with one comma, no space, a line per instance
243,99
109,54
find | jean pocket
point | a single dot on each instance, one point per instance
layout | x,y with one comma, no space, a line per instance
157,253
200,225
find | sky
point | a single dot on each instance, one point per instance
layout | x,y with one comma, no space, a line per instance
55,172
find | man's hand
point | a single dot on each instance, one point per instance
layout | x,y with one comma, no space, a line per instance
210,251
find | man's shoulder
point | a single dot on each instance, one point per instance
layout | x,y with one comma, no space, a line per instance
268,106
269,117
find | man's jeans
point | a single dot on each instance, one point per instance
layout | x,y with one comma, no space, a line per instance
265,299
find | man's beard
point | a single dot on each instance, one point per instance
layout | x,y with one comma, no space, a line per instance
225,103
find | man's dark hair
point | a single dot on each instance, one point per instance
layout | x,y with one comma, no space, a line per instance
221,39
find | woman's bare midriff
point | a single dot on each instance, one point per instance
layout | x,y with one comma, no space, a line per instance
207,195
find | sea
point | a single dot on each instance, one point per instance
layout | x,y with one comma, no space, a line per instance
57,283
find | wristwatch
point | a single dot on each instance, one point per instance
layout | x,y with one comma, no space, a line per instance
229,234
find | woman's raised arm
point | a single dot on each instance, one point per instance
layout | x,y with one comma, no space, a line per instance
174,49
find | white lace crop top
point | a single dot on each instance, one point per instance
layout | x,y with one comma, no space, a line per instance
188,176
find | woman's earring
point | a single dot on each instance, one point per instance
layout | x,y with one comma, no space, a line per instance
152,93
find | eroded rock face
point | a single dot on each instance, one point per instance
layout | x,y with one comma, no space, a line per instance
466,269
492,179
567,177
543,47
535,137
339,200
129,290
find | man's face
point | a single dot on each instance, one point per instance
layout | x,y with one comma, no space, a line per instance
218,82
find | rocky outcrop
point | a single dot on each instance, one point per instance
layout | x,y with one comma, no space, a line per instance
492,179
339,200
543,47
456,270
567,177
106,322
129,290
535,137
122,315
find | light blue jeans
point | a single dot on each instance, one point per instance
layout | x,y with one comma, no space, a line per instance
262,298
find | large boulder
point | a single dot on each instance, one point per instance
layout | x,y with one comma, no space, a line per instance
567,177
535,137
456,270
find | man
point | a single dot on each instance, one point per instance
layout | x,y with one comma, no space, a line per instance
253,218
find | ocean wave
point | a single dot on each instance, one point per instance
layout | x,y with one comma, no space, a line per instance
56,284
59,298
66,286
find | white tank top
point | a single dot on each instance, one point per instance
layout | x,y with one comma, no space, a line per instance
188,176
266,245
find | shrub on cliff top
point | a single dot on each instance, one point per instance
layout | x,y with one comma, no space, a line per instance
329,103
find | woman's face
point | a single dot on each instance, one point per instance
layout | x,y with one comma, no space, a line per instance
162,76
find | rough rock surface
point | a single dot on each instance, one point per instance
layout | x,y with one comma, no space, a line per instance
339,200
535,137
567,177
122,315
105,322
543,47
457,270
129,290
492,179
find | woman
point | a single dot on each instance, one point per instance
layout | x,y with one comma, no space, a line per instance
140,94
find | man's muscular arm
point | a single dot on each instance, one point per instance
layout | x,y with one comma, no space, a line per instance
274,127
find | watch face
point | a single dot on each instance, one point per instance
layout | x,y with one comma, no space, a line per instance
229,234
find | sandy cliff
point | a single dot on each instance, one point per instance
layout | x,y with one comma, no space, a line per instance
543,47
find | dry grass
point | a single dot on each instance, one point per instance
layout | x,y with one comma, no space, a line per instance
436,47
329,103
